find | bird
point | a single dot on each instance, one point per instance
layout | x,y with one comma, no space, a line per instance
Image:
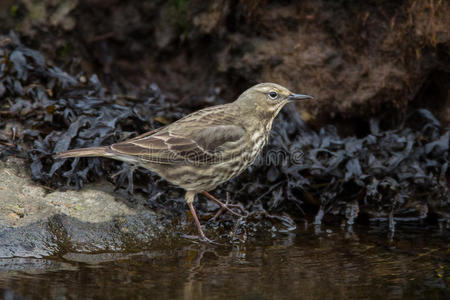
205,148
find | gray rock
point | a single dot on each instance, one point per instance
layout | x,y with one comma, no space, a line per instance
36,222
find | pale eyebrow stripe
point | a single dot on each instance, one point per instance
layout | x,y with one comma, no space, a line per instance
269,89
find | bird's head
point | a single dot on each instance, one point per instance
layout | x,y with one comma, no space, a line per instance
267,99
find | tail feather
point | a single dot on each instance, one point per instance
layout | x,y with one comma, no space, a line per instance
83,152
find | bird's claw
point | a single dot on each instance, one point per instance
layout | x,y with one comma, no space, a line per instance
227,206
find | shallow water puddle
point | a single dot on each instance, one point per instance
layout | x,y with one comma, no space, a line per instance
310,264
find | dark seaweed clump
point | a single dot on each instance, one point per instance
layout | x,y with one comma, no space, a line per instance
399,173
53,111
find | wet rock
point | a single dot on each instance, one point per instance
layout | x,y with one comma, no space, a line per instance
35,222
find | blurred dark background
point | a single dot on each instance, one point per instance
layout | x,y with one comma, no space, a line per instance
358,58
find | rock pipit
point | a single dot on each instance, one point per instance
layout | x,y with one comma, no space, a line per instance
207,147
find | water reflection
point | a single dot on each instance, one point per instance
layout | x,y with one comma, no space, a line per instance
313,263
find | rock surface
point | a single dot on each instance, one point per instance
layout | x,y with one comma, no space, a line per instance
35,222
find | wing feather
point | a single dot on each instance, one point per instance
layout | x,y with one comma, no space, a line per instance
184,143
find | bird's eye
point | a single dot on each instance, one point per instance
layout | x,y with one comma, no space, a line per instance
273,95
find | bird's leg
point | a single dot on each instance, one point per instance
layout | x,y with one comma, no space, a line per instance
221,210
202,235
223,206
197,222
190,196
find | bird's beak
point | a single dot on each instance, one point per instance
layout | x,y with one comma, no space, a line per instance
293,97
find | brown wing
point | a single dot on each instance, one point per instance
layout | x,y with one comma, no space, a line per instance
198,146
187,141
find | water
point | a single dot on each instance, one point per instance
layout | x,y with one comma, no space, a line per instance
331,263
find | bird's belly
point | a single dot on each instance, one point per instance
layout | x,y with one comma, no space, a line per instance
209,176
198,178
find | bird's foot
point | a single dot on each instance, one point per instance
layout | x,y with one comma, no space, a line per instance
227,206
201,235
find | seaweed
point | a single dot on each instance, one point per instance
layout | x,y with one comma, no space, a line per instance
396,174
